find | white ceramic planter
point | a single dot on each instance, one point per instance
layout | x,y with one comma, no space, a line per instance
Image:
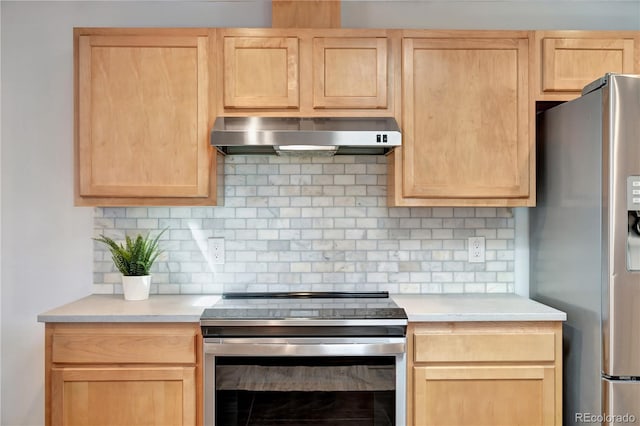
136,287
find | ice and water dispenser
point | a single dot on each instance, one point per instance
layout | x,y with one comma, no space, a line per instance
633,232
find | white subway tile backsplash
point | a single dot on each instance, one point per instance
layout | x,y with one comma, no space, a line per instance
496,266
136,212
453,266
498,288
442,212
442,234
122,223
314,223
505,254
475,288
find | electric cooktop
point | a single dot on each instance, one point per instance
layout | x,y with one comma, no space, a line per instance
304,313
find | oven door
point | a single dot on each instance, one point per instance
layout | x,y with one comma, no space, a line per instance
305,381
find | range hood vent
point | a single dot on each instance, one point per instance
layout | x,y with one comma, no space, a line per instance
305,136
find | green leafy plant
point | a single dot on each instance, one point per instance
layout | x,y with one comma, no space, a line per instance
135,257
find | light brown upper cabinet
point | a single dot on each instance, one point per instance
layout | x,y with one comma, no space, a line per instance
349,72
569,60
307,72
261,72
142,117
466,121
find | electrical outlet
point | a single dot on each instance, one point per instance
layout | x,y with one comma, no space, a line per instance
476,250
216,251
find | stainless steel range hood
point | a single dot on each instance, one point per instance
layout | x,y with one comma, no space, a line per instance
310,136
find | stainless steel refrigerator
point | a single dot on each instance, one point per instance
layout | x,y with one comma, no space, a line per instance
585,246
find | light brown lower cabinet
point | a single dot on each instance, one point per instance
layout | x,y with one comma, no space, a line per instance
485,374
122,374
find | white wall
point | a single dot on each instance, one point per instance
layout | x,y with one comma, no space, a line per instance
493,14
47,251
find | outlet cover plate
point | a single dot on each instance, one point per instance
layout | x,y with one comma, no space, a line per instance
476,250
216,251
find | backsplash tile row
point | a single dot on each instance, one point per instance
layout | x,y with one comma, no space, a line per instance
311,224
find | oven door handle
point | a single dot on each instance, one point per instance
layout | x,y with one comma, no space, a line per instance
304,347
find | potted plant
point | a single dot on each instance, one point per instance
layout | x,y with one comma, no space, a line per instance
134,260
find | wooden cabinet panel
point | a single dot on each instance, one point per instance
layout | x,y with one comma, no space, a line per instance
466,121
123,374
261,72
349,72
86,343
569,64
305,14
484,373
484,395
123,396
142,116
308,72
479,347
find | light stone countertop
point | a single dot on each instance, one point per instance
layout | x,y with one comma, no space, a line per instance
475,307
113,308
419,308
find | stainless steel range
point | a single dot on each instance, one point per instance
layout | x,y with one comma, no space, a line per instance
304,359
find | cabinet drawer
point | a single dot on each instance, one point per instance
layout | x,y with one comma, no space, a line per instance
484,347
87,345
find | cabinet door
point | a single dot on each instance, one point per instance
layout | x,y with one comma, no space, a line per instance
569,64
123,396
349,72
466,118
261,72
484,395
142,116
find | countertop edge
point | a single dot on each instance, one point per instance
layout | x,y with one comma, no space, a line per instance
419,308
510,317
117,318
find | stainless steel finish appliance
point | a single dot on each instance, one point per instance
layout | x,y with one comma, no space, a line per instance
304,358
320,135
585,245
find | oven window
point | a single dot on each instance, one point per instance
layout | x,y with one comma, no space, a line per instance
305,391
